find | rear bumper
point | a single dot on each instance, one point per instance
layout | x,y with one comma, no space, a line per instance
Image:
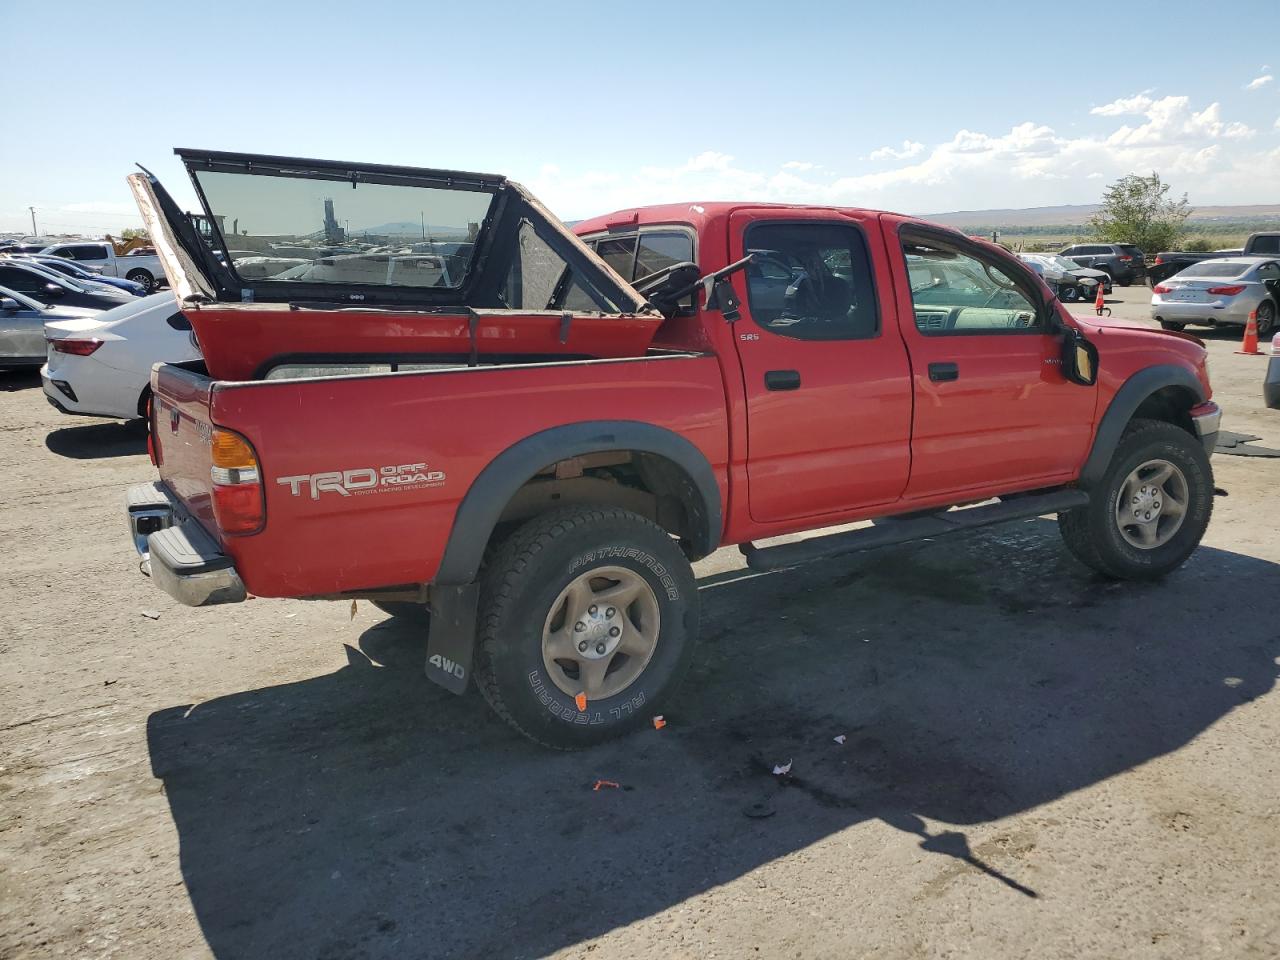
1215,312
183,560
1206,417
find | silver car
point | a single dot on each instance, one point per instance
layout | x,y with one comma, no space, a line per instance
1219,292
22,323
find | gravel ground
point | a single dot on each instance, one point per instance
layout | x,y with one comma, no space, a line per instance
1037,764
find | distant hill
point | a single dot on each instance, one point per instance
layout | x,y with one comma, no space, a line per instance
1077,214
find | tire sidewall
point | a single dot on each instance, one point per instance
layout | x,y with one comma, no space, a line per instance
529,693
1270,312
1184,452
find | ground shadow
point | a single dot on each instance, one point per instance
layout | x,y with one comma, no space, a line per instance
367,813
13,379
97,441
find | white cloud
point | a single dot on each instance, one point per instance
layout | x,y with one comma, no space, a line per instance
1139,103
1029,164
909,149
1257,83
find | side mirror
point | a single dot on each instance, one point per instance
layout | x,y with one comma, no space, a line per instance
1079,358
55,291
8,305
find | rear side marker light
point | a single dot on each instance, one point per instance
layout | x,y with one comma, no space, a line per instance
238,503
77,348
1230,291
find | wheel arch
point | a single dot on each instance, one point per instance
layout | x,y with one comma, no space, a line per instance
667,461
1163,392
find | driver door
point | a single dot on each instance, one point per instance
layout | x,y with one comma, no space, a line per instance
993,411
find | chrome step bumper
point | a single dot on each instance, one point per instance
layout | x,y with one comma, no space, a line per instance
183,560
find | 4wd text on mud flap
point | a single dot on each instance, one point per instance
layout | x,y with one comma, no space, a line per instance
447,665
364,480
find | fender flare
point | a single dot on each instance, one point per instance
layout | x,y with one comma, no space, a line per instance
497,483
1128,398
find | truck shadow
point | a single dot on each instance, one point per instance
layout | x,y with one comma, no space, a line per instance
367,813
99,440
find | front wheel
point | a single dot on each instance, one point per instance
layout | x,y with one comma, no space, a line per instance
588,619
1151,508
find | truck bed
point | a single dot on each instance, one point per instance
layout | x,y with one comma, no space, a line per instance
439,428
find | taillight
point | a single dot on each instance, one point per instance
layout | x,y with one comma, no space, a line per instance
1161,288
1124,259
238,504
78,348
151,431
1229,291
1158,260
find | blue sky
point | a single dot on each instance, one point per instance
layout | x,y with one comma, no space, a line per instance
915,106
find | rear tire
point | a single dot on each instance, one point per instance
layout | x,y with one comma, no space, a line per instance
1172,325
143,277
1266,318
1108,534
551,597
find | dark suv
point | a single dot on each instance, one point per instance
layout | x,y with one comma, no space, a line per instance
1123,261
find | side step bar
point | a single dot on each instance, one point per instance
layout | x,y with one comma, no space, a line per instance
890,531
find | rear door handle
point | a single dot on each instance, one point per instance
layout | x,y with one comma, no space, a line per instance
940,372
782,379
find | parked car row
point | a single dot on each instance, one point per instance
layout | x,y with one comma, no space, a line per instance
1218,292
1068,279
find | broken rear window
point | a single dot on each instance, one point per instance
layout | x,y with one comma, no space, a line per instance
317,230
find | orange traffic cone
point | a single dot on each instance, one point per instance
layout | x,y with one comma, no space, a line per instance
1099,304
1250,344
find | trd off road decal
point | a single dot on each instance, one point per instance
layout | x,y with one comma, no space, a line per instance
365,480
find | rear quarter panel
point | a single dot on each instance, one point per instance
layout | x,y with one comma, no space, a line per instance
445,425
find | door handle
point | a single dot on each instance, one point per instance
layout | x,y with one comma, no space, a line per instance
782,380
940,372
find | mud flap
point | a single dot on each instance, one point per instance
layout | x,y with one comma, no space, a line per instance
452,636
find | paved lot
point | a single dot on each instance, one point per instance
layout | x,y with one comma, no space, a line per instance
1037,764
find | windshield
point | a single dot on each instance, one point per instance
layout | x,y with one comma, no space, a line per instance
322,230
1226,269
1062,263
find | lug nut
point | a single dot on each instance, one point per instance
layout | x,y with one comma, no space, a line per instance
610,612
614,631
599,648
582,647
593,609
1147,515
579,627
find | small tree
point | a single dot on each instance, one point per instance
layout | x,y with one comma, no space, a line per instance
1138,210
128,233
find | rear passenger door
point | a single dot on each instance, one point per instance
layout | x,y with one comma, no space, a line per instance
825,373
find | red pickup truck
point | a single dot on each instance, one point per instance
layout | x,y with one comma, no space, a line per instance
447,403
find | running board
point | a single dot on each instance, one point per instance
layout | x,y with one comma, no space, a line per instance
885,534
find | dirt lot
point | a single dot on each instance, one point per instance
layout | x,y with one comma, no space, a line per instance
1038,763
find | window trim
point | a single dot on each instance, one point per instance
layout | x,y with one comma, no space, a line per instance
1044,312
823,222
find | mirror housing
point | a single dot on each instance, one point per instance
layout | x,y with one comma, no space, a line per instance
1079,358
55,291
8,305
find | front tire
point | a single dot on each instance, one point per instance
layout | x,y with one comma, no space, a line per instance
584,601
1150,510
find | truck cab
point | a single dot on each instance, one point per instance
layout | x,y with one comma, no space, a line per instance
525,442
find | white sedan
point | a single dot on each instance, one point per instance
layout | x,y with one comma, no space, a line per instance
101,366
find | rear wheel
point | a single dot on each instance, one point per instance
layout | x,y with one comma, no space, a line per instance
143,277
588,620
1172,325
1266,318
1151,508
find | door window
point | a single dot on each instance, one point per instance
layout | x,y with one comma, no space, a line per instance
86,252
1269,271
811,281
958,291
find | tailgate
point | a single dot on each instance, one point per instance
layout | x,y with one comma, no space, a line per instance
181,431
